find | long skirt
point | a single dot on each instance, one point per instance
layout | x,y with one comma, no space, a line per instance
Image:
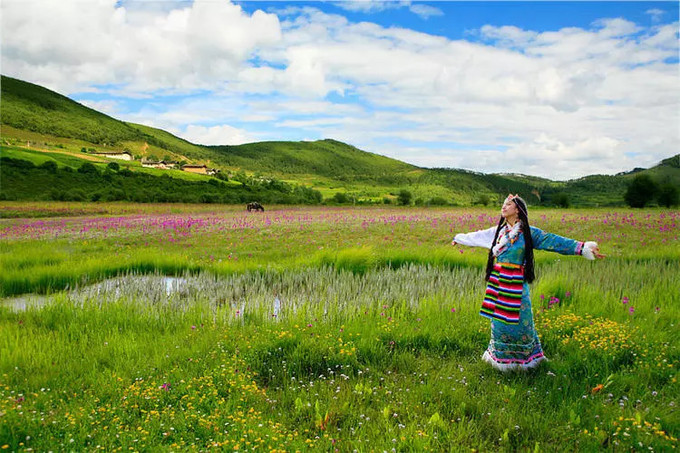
515,346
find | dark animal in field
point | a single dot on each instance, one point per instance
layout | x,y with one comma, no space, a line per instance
255,206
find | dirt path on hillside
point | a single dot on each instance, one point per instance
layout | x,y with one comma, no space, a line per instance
67,153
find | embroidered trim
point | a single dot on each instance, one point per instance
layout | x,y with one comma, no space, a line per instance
579,248
536,356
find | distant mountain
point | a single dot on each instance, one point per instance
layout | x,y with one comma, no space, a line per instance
37,116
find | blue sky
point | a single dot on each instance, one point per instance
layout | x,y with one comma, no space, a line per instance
553,89
460,19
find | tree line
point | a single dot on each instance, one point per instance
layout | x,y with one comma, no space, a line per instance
24,180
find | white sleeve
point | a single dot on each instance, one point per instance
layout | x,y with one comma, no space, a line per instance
482,238
587,250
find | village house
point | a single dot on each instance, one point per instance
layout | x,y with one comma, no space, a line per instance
123,155
162,165
200,169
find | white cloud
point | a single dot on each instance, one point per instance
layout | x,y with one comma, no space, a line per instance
616,27
655,13
582,96
508,35
216,135
663,37
375,6
425,11
192,47
371,6
109,107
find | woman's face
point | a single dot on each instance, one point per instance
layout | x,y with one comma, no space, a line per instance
509,209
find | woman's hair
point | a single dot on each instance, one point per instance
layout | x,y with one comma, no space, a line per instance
523,216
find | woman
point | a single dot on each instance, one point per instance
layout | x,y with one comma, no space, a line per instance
510,268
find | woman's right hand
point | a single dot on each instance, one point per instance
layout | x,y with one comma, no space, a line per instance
597,254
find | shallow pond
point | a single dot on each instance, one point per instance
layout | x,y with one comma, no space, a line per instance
273,293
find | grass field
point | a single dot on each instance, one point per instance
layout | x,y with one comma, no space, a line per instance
326,329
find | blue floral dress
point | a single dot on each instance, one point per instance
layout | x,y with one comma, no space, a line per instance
514,343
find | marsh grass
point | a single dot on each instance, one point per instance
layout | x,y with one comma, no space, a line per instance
369,361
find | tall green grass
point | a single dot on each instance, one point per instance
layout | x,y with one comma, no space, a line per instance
376,360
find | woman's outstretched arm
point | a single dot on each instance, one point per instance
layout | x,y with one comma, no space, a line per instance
482,238
565,246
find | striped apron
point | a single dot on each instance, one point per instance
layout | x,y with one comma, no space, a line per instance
503,297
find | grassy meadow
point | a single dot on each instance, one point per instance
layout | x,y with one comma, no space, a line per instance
191,327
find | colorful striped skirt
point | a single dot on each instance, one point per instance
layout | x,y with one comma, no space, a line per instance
503,297
514,342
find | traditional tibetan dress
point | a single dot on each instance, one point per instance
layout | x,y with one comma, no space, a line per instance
514,343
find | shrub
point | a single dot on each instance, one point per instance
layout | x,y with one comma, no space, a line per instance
404,197
209,198
114,195
438,201
340,197
88,169
49,165
668,195
641,191
113,166
483,199
75,195
561,200
57,195
17,163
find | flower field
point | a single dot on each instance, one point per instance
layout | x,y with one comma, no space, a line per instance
180,327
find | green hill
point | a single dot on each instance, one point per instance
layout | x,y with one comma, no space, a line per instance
35,117
37,109
327,158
